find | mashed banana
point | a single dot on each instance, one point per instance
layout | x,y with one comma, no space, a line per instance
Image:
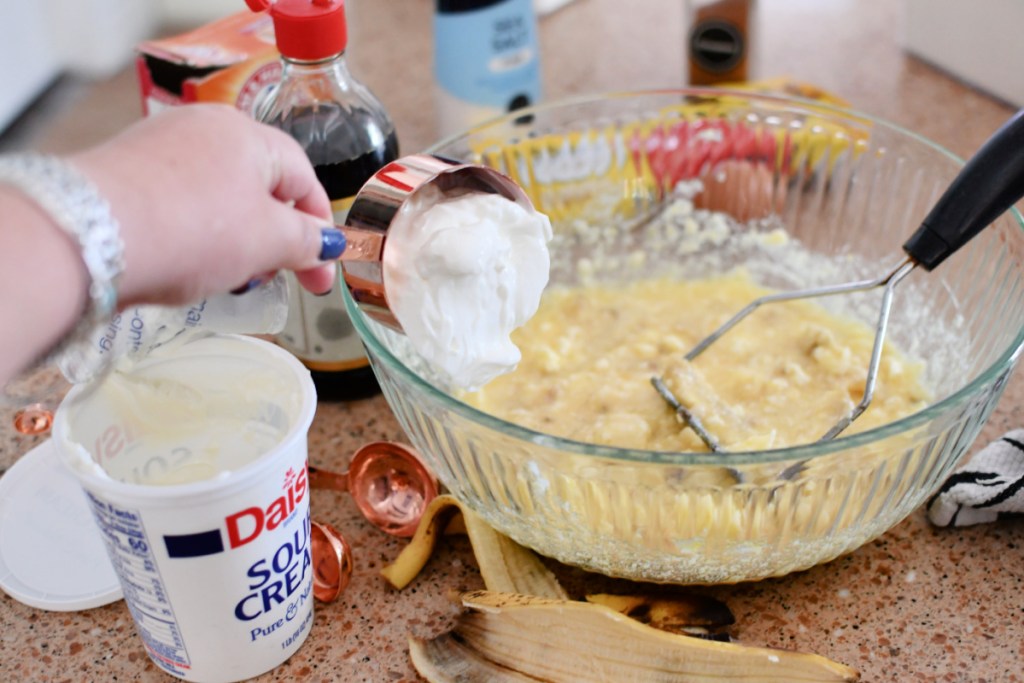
782,377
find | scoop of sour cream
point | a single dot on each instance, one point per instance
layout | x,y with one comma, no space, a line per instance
462,271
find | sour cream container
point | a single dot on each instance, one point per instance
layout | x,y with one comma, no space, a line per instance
194,468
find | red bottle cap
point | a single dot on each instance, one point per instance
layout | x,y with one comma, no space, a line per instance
306,29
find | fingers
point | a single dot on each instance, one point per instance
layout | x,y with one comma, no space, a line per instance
292,178
319,280
223,200
302,243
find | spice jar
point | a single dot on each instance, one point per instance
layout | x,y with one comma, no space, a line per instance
719,40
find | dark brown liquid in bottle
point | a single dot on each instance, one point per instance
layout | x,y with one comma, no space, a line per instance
339,143
343,179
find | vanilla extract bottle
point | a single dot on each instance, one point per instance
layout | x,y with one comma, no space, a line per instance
348,136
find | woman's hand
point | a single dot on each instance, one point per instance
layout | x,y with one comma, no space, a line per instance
209,199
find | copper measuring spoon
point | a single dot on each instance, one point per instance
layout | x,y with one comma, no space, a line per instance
332,561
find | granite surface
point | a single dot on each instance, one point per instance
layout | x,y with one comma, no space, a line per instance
918,604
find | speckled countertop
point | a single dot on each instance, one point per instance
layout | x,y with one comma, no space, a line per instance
918,604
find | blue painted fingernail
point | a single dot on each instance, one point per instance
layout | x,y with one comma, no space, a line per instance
332,244
248,286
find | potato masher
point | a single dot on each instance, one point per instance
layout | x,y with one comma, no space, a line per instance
990,183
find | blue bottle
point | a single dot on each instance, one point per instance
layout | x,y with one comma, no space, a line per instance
486,60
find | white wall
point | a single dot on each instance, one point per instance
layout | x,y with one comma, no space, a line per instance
96,38
29,60
197,12
40,39
978,42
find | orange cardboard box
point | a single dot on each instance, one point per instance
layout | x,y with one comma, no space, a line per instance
232,60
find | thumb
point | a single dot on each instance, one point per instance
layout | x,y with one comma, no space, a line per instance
318,280
328,244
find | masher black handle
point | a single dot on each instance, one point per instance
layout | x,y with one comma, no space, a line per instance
989,184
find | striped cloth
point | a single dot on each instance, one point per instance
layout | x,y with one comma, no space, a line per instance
990,483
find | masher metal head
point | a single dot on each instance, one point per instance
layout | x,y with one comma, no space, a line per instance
989,184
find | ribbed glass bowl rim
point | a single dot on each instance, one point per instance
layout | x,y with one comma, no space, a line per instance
637,456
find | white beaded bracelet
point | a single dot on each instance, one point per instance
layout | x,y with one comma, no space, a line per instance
75,205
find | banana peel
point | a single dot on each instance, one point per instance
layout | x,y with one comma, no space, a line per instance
436,517
524,628
446,660
512,637
504,565
685,613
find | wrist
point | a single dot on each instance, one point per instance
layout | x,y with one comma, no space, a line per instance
71,203
43,279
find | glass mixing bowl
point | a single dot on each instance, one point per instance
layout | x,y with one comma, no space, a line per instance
849,189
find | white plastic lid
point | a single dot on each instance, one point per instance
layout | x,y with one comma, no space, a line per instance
51,553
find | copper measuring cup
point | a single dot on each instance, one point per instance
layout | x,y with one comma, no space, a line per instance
381,198
391,487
